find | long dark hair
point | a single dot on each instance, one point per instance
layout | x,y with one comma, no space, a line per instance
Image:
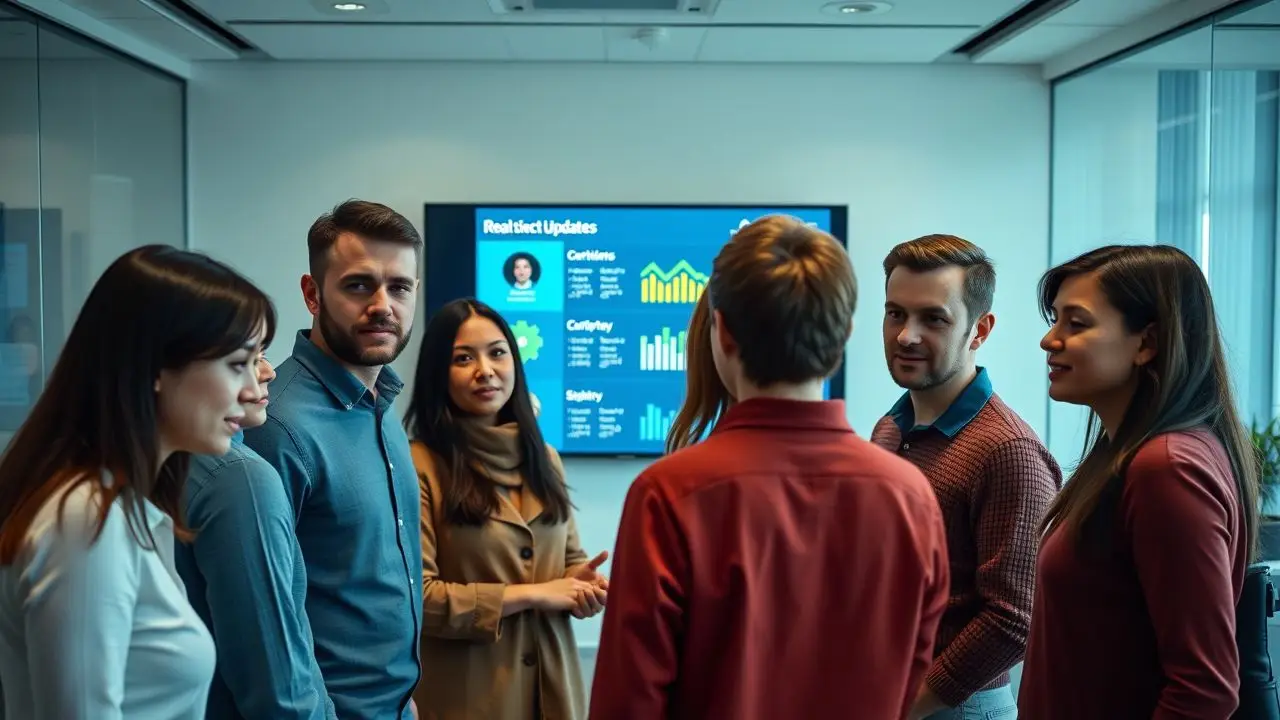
155,308
705,396
1187,386
433,418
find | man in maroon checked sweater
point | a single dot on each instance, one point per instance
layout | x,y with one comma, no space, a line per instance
992,476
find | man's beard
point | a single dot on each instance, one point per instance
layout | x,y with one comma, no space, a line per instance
930,379
344,345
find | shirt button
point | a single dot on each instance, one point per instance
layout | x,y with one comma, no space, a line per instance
400,522
529,660
391,466
526,553
906,446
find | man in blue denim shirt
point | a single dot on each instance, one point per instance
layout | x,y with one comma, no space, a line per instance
344,458
246,579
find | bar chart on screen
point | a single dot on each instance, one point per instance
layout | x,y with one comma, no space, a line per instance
655,423
681,284
601,298
663,351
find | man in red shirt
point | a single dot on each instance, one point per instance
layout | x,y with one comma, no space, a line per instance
784,567
993,477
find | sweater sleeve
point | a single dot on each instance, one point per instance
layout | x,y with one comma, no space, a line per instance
1179,513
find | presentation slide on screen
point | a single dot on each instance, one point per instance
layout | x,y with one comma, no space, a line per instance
599,300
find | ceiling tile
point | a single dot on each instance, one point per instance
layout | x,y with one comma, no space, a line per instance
174,38
113,9
769,12
835,45
376,42
1110,13
673,44
905,12
1040,43
555,43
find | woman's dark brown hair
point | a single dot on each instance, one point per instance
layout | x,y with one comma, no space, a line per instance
705,397
433,419
155,308
1187,386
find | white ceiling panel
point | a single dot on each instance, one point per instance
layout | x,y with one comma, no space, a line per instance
1040,42
174,38
113,9
828,45
677,44
768,12
306,11
555,43
377,42
905,12
1105,12
914,31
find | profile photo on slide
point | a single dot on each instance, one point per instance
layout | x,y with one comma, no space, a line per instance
522,271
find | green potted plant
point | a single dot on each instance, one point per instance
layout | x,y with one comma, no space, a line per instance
1266,440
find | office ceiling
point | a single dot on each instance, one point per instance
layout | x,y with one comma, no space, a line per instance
1247,41
703,31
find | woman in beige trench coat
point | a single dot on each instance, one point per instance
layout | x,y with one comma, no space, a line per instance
502,568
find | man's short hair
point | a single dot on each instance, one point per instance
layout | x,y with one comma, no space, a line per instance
933,252
369,220
786,292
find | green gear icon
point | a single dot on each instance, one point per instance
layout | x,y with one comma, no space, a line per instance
528,339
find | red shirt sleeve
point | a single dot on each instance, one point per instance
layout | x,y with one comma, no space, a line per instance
936,597
638,657
1180,515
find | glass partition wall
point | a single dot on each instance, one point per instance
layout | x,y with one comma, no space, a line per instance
92,163
1175,143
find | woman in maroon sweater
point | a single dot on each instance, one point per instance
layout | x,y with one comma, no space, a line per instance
1145,549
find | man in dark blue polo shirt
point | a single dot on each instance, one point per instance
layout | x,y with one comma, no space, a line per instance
344,458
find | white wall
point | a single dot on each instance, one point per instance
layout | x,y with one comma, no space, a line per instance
1105,128
910,150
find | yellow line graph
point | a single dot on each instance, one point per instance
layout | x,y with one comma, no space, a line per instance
681,284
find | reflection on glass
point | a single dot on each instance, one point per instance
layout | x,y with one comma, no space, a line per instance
1177,144
20,356
91,165
1243,130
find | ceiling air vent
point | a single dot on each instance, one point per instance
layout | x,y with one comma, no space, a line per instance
603,7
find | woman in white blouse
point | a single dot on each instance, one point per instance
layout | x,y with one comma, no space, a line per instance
94,621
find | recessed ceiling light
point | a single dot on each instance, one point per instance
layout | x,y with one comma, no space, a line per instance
857,8
348,7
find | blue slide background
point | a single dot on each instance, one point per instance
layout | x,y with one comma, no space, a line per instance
572,292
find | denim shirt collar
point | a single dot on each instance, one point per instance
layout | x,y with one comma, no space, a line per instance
962,411
345,387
